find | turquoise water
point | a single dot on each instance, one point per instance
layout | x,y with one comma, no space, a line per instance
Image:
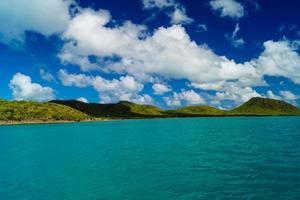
204,158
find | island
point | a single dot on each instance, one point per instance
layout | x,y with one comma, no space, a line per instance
58,111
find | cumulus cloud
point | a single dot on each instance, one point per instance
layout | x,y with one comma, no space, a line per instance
169,53
82,99
185,97
97,39
234,39
228,8
280,58
19,16
160,89
124,88
24,89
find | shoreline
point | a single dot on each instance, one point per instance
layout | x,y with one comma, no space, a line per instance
33,122
36,122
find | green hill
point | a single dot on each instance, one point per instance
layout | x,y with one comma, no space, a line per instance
123,109
25,111
71,110
196,111
265,106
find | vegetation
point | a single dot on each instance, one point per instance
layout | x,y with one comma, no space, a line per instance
142,109
123,109
22,111
71,110
196,111
265,106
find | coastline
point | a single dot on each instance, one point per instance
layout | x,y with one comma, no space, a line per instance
36,122
72,111
31,122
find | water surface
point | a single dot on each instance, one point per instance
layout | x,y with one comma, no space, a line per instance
200,158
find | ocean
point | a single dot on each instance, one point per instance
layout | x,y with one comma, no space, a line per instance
220,158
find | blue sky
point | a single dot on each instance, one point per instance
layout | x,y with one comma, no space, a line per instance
169,53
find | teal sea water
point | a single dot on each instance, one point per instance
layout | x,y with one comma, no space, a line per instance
168,159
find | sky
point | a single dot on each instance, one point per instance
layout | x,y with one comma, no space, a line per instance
169,53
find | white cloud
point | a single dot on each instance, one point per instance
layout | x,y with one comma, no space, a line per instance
288,95
96,39
169,53
124,88
284,95
18,16
160,89
185,97
235,93
142,99
179,17
280,58
271,95
23,89
82,99
228,8
78,80
208,86
234,40
46,75
150,4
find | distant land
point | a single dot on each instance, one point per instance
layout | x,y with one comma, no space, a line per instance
19,112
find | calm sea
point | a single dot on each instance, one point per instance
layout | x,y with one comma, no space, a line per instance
169,159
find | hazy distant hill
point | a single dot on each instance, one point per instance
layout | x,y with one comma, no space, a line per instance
33,111
265,106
